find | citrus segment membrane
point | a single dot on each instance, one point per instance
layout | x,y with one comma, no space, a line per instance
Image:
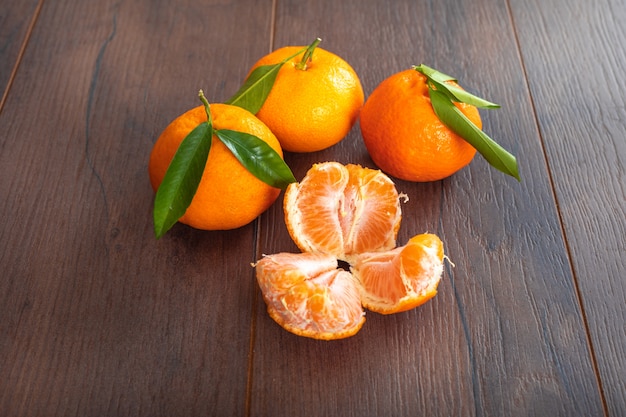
312,208
373,216
308,295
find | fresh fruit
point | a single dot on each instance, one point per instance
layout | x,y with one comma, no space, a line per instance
351,213
404,136
314,102
228,195
343,210
308,295
402,278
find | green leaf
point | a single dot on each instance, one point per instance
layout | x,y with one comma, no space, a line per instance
433,74
458,94
182,178
456,121
257,157
440,82
443,95
257,86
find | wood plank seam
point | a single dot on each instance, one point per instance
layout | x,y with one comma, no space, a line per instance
253,321
577,290
20,55
256,251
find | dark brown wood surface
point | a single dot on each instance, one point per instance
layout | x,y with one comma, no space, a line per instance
97,317
16,19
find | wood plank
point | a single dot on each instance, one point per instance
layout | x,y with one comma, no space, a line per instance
98,317
574,56
505,335
16,18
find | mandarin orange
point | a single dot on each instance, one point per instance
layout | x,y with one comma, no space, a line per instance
350,213
404,136
228,196
312,108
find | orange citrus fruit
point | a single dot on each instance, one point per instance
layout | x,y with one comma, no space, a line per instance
342,210
313,108
308,295
228,196
351,213
404,136
402,278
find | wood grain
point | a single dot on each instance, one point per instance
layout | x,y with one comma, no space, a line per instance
506,325
16,19
97,317
100,318
573,57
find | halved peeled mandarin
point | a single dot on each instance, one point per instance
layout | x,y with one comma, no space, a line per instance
343,210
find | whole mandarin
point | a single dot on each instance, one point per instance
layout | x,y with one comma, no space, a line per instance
313,108
404,136
228,196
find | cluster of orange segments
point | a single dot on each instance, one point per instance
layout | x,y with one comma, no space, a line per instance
353,214
350,213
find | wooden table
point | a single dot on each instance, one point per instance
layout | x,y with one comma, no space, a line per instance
99,318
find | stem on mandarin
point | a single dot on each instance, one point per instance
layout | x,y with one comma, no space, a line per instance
302,65
207,107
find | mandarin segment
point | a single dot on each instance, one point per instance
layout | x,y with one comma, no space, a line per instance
312,209
343,210
308,295
402,278
373,211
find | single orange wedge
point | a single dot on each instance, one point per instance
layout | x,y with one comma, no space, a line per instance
402,278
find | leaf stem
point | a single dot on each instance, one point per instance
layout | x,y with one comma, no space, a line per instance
302,65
